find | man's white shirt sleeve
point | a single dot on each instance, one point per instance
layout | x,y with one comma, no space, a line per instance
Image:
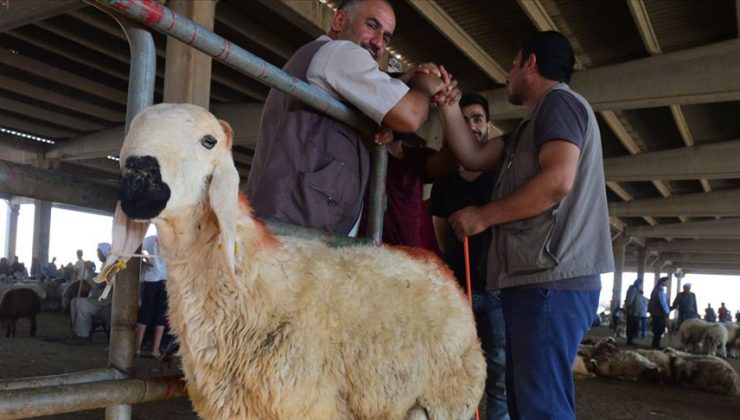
347,72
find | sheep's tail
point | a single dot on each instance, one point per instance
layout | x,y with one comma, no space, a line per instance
469,287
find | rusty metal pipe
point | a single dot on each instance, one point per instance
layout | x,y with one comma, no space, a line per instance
46,400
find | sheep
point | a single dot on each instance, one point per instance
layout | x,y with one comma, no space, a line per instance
691,334
609,361
715,338
708,373
19,302
733,339
282,327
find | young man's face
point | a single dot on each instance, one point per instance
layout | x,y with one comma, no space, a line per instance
370,25
475,117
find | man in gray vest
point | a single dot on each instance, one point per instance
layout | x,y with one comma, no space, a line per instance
309,169
549,221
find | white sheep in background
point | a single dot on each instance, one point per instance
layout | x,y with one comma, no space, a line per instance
286,328
691,334
715,340
733,339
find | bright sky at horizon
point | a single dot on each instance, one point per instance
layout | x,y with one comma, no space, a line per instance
73,230
70,230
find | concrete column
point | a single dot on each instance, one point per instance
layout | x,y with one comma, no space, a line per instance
11,230
41,230
187,72
641,261
669,289
619,246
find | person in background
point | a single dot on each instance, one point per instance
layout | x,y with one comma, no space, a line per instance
709,314
724,313
644,301
685,302
659,310
83,309
633,306
450,194
153,309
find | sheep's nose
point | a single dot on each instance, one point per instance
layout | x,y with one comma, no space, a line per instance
142,192
141,164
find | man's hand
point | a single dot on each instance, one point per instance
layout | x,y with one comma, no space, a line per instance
451,94
468,222
424,68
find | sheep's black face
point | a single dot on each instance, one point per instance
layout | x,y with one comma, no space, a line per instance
142,192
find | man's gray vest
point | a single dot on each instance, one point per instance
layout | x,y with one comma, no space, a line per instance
308,169
571,239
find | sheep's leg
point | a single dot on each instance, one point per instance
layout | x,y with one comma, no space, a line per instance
33,325
417,413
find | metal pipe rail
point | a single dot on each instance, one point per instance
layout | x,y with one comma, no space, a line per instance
166,21
56,399
93,375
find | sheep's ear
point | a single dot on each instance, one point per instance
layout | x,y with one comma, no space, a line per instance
223,194
127,236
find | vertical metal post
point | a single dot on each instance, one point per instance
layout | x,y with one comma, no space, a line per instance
11,229
377,193
126,289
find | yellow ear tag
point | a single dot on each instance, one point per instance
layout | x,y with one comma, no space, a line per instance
108,275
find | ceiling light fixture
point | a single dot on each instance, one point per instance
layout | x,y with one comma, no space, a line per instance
25,135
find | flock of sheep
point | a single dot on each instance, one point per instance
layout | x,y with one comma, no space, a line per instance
701,368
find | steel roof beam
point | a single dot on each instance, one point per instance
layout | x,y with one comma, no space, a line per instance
661,80
716,229
713,161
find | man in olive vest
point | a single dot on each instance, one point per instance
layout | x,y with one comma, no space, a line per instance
549,221
309,169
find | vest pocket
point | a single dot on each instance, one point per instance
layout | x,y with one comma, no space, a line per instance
527,244
321,194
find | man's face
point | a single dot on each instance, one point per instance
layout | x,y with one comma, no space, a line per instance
514,81
369,25
475,117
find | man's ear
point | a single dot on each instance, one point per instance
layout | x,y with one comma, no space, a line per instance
531,64
339,21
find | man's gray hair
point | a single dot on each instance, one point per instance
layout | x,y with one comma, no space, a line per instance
349,6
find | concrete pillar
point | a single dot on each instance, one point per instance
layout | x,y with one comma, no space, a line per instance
669,289
641,261
187,72
41,231
619,246
11,230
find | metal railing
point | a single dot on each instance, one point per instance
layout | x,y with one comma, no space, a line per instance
112,387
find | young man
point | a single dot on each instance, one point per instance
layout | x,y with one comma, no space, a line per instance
450,194
309,169
550,224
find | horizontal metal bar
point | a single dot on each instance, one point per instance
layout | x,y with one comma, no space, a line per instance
93,375
166,21
285,229
41,401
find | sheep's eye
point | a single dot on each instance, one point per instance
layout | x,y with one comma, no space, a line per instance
208,141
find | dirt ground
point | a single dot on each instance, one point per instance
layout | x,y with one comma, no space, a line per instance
597,398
